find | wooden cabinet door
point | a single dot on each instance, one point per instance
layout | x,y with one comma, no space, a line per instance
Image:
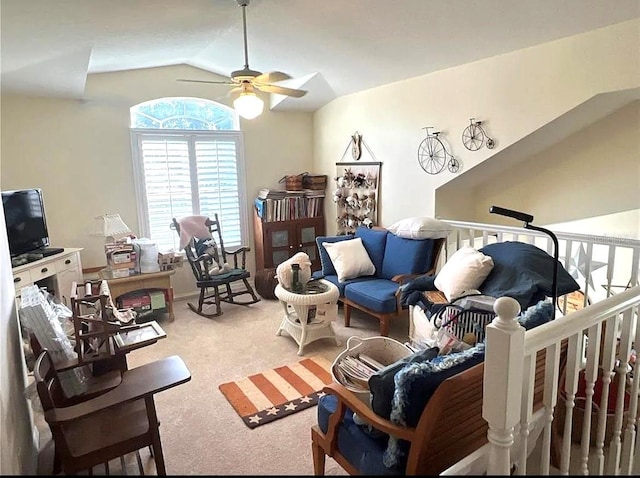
306,232
280,239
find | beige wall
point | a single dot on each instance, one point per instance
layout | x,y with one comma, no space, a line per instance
594,172
79,152
514,95
18,436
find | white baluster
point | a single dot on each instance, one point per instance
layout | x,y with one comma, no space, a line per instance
526,411
550,398
574,351
608,361
630,436
623,357
503,382
591,373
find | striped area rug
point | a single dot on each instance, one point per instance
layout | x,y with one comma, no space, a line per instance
264,397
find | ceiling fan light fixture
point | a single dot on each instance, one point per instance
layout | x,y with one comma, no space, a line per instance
248,105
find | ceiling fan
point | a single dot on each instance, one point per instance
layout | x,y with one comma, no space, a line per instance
246,81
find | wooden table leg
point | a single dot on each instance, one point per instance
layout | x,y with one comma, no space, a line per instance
172,316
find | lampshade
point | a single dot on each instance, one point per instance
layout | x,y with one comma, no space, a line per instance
248,105
110,226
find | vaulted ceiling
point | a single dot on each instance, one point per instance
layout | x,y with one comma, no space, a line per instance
329,47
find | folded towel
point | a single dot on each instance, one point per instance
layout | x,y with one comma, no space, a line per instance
193,226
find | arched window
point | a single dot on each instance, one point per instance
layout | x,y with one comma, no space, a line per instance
183,113
188,160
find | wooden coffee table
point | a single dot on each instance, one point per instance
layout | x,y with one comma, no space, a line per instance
153,280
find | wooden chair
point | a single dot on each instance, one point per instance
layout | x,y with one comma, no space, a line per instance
102,376
450,427
215,286
112,424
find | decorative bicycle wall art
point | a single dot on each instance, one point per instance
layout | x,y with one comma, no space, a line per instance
433,155
474,136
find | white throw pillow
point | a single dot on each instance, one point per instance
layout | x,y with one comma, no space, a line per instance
465,270
420,228
350,259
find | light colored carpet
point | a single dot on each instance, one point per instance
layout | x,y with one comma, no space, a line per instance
201,433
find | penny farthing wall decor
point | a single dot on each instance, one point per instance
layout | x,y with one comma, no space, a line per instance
433,155
474,136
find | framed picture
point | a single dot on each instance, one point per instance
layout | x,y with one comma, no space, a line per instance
356,195
137,336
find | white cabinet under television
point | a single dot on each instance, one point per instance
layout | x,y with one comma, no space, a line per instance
56,272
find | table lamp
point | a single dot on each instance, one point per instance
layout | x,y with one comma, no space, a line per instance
118,253
111,227
527,219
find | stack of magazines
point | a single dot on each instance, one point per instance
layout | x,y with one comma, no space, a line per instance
355,370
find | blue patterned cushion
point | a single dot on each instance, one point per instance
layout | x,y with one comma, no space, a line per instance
415,384
382,385
536,315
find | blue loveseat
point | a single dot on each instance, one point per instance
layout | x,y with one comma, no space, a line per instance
396,259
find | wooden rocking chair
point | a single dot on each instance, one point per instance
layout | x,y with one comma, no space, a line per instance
207,258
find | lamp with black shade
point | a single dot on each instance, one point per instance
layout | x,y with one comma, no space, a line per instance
527,219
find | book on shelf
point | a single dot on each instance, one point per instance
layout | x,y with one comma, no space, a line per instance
288,207
266,193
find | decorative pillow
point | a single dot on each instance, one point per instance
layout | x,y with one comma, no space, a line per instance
465,270
375,241
536,315
406,256
350,259
415,384
382,385
525,272
325,260
420,228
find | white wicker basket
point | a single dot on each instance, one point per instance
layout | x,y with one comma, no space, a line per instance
382,349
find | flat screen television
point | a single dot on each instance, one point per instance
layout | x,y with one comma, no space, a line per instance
26,221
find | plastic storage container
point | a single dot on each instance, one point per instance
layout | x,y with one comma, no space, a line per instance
147,252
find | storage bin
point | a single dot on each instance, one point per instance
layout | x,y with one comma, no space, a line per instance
293,182
317,182
382,349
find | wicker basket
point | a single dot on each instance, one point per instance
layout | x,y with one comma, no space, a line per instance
293,182
383,349
266,283
317,182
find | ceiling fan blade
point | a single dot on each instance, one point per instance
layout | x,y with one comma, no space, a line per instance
280,90
272,77
227,82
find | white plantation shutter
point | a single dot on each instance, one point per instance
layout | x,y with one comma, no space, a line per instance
218,188
185,173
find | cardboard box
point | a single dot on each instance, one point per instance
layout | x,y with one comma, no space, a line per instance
139,302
